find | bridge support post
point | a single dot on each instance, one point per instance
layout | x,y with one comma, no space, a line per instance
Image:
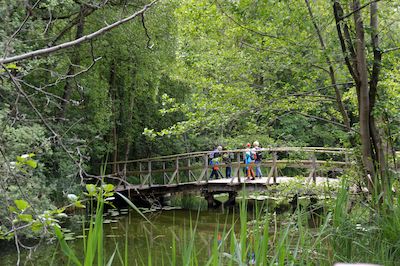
212,203
231,199
313,173
274,169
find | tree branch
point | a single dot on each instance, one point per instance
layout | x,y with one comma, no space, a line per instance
358,9
325,120
390,50
45,51
245,27
147,33
19,28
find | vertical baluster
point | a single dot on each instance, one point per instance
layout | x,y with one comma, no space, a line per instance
177,169
205,170
149,173
189,171
164,173
274,169
238,157
314,168
275,173
140,174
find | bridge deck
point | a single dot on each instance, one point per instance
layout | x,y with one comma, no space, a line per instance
216,186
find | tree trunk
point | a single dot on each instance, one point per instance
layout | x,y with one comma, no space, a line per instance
338,94
375,133
364,102
112,90
128,140
75,61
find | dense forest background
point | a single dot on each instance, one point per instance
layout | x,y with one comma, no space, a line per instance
184,76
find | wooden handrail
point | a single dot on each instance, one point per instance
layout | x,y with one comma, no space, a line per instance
174,164
201,153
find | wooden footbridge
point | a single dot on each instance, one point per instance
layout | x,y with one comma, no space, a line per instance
190,172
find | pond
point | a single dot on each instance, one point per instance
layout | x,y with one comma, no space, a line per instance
172,233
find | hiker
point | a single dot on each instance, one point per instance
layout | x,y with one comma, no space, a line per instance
215,160
257,158
227,159
215,153
249,160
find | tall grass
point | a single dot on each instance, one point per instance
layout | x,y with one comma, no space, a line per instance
361,235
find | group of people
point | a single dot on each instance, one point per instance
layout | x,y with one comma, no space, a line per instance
251,157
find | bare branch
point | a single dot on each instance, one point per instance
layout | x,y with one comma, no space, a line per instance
45,51
19,28
147,33
60,79
358,9
245,27
325,120
390,50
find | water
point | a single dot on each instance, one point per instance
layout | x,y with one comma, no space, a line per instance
145,241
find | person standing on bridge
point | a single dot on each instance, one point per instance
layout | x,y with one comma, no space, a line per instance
249,160
227,159
215,153
215,159
257,158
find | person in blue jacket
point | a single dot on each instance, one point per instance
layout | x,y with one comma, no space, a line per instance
215,160
249,160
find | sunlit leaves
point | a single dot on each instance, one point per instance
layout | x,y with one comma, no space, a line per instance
22,205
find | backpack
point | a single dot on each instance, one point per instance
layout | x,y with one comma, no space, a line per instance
253,156
259,155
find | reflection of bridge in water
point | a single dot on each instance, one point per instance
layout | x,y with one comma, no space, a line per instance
189,172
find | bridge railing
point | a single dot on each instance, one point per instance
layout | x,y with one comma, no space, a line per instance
195,167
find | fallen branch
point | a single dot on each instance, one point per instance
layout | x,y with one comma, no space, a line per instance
85,38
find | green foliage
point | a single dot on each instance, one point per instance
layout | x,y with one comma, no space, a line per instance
201,73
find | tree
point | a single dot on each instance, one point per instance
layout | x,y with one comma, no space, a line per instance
355,53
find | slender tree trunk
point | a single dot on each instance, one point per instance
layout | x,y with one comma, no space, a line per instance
364,103
347,46
112,90
128,140
338,94
375,133
75,61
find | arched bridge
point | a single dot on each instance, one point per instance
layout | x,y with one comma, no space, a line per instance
190,172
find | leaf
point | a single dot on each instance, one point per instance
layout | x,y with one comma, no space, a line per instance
72,197
79,204
91,189
110,261
21,204
36,226
64,246
12,66
25,217
108,187
31,163
133,206
12,209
